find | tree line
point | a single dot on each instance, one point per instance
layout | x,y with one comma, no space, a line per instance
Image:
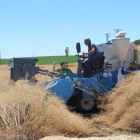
137,41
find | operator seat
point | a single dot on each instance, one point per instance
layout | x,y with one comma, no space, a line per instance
97,66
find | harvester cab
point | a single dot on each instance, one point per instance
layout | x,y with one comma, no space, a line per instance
97,66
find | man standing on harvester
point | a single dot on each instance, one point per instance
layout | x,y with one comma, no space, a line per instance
92,52
134,66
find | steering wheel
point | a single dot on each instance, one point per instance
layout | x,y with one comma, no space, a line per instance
82,56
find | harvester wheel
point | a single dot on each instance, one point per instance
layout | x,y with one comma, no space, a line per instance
84,105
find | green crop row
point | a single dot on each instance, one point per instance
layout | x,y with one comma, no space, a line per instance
46,59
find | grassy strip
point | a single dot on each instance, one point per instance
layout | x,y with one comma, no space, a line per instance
46,59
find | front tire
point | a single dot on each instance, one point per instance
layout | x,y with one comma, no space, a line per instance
84,105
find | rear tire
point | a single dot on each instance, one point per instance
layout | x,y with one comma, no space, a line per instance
84,105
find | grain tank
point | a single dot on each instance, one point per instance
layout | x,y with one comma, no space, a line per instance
121,46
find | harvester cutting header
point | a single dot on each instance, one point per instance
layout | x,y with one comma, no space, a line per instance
80,89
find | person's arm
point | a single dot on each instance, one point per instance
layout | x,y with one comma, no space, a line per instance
91,52
123,71
70,71
54,70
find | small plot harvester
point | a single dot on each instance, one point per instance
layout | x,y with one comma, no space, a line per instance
76,89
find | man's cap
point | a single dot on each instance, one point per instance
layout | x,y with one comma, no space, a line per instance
62,63
134,63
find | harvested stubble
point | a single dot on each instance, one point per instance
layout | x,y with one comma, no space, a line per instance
122,107
25,112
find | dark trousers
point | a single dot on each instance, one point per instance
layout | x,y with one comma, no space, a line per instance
87,65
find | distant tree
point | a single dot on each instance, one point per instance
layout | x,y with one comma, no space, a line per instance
109,42
137,41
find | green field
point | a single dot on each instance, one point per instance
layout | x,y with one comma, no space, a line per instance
46,59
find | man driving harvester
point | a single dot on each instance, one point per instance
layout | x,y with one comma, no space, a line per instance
92,52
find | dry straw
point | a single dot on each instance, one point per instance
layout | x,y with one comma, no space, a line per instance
26,112
122,107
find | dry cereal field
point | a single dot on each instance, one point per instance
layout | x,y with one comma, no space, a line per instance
27,113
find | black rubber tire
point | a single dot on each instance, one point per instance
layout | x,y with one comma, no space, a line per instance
79,102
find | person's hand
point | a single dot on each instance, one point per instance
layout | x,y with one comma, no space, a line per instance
84,53
122,66
54,63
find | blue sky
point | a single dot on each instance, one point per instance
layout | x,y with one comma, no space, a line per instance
46,27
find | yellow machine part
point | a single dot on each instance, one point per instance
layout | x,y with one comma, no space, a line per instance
136,55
